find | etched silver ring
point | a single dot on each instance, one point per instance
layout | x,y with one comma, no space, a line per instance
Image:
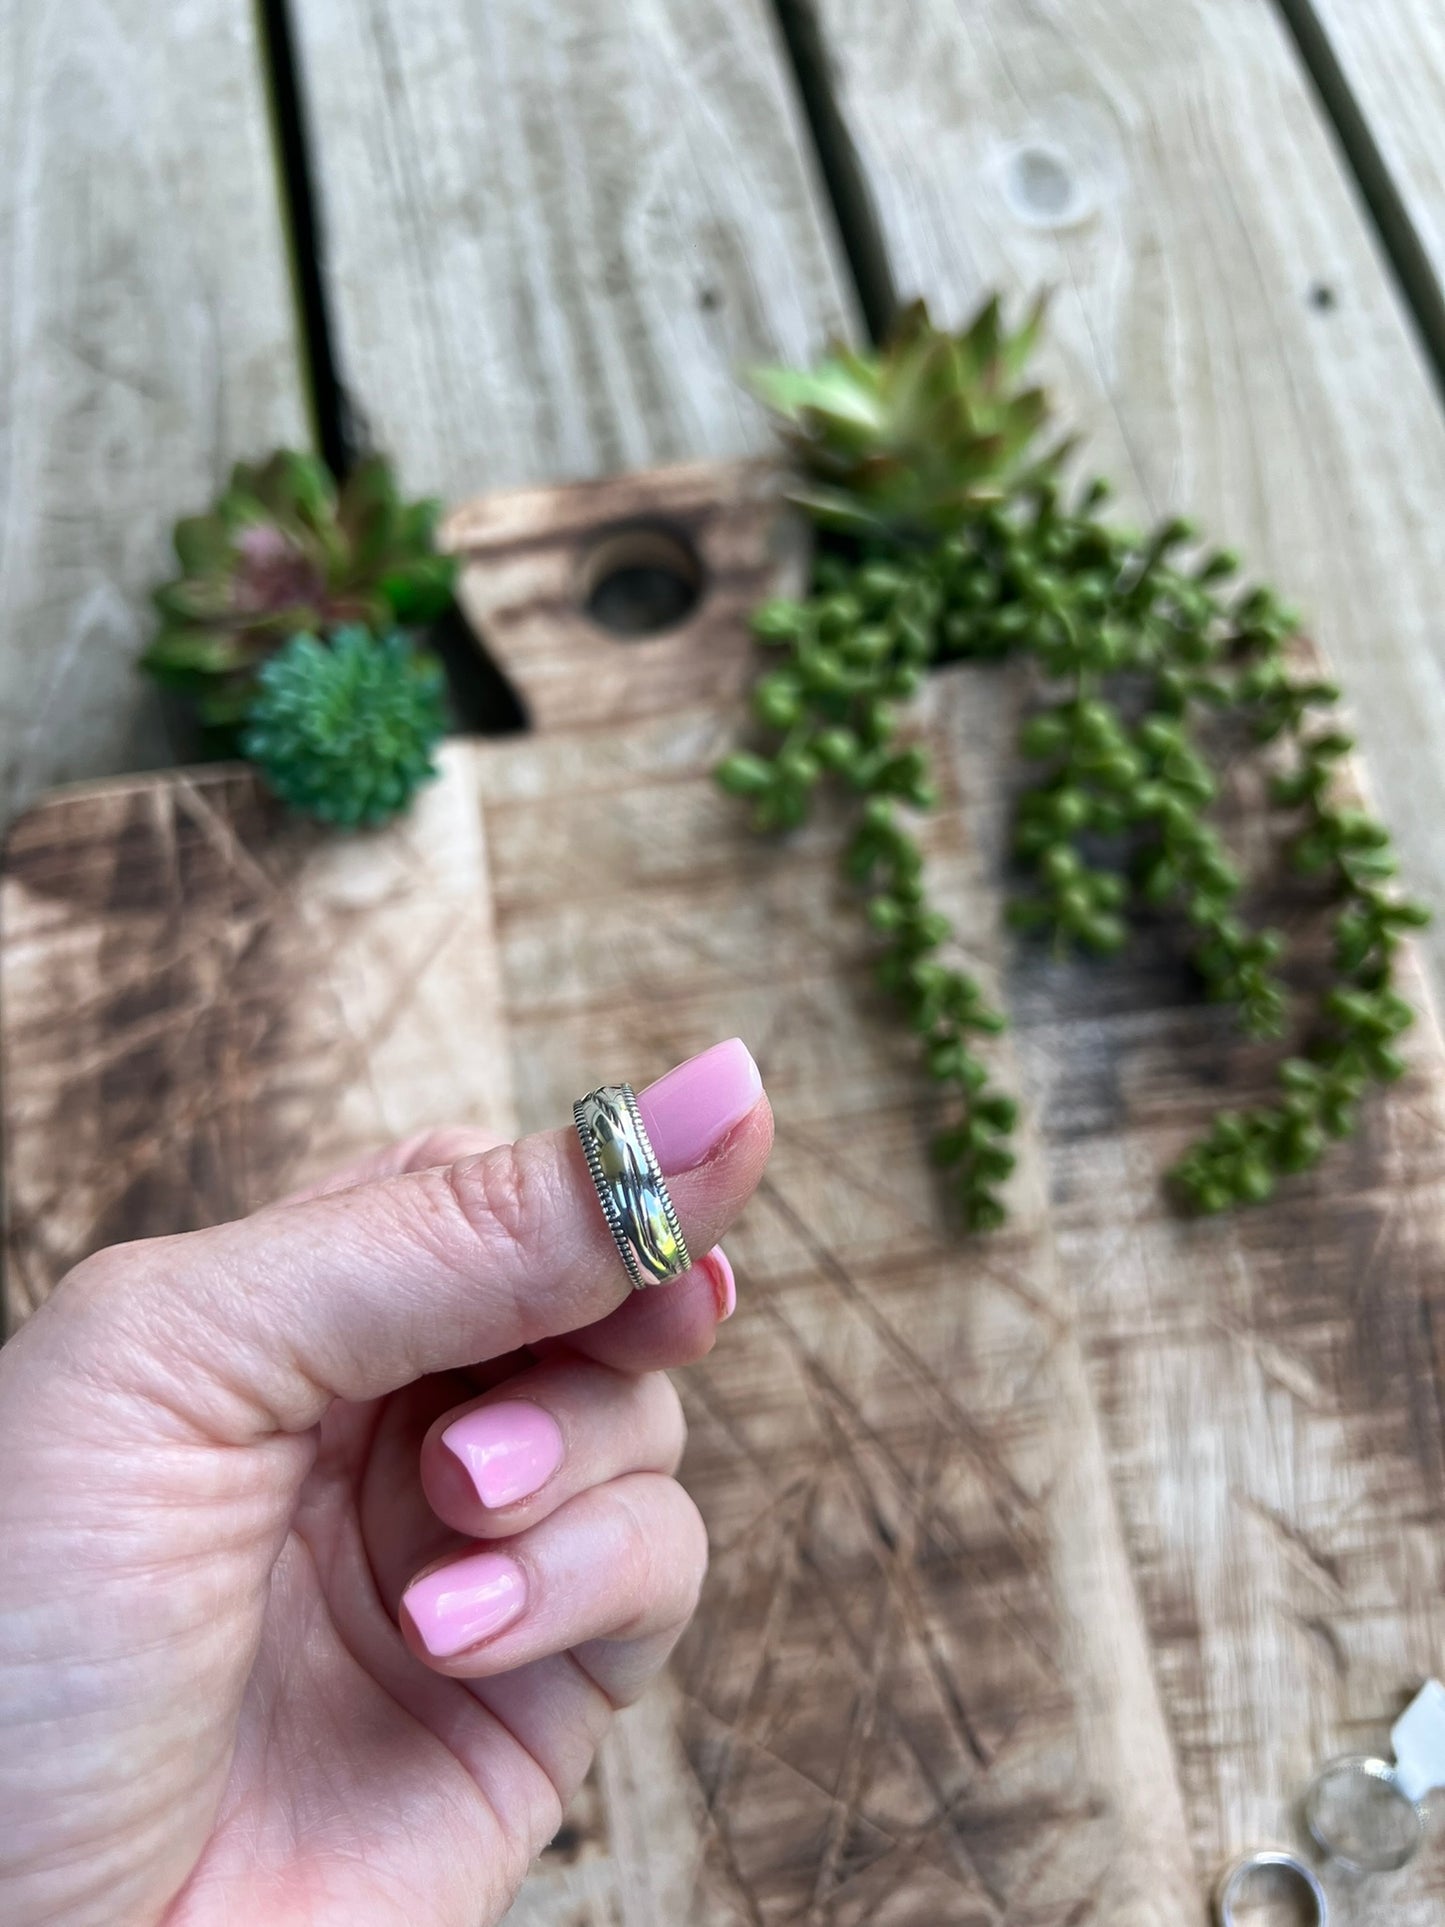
1361,1817
1237,1877
630,1186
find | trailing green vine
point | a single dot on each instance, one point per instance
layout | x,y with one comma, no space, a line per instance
946,535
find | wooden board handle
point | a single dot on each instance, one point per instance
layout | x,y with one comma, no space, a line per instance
533,559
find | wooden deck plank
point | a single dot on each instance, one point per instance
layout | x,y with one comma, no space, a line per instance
1382,71
1226,333
555,229
148,341
1224,329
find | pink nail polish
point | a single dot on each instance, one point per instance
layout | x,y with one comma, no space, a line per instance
691,1110
724,1285
510,1450
466,1602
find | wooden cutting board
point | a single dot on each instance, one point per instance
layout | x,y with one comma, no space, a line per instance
1046,1567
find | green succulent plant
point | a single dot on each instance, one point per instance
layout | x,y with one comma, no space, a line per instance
285,552
344,729
945,539
903,439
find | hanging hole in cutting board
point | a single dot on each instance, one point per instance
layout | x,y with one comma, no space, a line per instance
641,580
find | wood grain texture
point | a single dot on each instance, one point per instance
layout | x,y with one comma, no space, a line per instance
1389,58
527,592
148,342
1048,1568
1163,166
921,1690
1045,1567
206,1005
556,229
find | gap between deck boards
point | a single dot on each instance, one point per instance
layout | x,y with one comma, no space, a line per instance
334,420
1400,240
339,433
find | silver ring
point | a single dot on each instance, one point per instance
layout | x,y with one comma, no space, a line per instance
1398,1843
630,1186
1236,1877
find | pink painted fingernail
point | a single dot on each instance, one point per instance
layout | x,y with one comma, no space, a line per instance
462,1604
724,1285
691,1110
510,1450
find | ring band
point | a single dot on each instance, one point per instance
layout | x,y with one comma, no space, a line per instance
1395,1847
630,1186
1236,1877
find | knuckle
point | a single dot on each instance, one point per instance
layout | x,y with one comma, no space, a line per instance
669,1420
114,1292
637,1560
129,1335
691,1537
104,1274
443,1144
505,1194
665,1557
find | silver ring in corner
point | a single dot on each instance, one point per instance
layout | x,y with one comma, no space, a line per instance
1236,1878
630,1186
1361,1818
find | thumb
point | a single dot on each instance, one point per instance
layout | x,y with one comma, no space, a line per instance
256,1326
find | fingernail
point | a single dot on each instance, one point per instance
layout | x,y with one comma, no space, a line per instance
510,1450
462,1604
724,1285
691,1110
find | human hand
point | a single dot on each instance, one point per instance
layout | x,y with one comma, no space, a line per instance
231,1689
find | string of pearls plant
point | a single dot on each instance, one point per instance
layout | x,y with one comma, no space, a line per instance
945,535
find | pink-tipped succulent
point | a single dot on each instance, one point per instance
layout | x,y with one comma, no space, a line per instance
902,439
286,552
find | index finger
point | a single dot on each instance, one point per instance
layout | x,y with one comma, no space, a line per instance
257,1325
